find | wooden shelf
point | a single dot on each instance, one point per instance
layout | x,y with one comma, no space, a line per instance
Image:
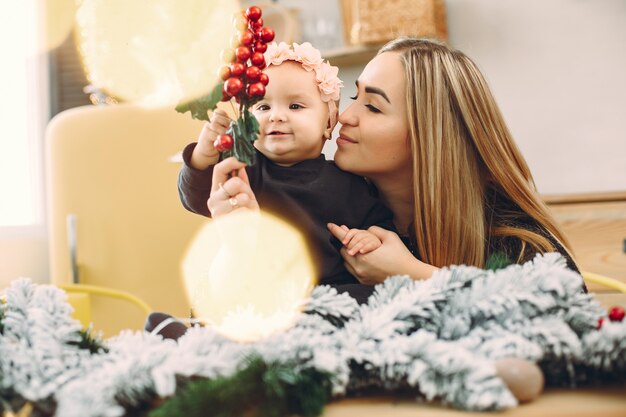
595,224
351,55
603,197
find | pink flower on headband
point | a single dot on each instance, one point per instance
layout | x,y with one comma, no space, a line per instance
329,82
310,58
277,53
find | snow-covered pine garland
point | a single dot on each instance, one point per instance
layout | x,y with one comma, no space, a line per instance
437,337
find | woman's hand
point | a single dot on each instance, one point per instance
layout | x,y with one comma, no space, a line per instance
230,193
391,258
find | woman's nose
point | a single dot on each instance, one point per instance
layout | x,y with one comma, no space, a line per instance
348,116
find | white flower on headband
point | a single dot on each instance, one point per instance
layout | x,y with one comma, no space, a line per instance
310,58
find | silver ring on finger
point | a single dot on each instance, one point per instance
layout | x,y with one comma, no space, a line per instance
221,186
233,202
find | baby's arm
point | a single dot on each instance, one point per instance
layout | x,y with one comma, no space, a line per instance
205,154
360,241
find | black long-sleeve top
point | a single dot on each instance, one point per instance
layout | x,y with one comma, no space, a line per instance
309,194
315,192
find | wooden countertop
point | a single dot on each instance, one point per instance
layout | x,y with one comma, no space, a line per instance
596,402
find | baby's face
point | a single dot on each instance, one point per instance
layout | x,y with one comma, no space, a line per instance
292,115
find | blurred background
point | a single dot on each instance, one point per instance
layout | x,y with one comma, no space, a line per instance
557,69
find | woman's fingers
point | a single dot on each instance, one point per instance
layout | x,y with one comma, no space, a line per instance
230,193
222,173
220,206
379,232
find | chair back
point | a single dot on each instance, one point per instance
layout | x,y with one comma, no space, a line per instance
114,215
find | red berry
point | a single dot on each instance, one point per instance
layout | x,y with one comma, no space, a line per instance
237,69
258,34
223,142
253,13
264,79
258,59
257,24
246,38
243,53
225,96
224,73
256,90
253,73
616,314
260,46
600,322
233,86
267,35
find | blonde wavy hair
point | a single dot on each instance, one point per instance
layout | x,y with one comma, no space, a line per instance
464,160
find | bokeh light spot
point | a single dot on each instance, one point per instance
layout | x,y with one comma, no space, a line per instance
247,274
157,52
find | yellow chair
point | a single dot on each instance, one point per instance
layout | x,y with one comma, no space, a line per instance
79,296
114,216
607,299
605,281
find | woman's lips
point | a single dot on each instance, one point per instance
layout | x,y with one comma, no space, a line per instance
345,140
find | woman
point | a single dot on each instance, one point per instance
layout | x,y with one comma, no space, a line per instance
425,130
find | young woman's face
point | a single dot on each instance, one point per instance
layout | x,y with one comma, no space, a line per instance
373,140
292,115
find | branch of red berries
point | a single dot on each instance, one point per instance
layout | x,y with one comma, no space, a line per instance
241,79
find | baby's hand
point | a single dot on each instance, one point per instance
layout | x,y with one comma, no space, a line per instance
360,241
205,154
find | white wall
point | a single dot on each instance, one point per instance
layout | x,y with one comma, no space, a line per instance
558,71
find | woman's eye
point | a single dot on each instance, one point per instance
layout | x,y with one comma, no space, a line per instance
354,98
372,108
295,106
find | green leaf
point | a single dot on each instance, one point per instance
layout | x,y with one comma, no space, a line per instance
265,389
252,125
497,260
90,342
242,149
200,107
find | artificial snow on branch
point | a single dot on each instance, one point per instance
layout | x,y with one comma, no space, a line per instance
439,338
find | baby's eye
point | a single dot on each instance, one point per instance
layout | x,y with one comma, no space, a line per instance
262,107
295,106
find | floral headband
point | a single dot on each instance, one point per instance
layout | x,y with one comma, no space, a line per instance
328,82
